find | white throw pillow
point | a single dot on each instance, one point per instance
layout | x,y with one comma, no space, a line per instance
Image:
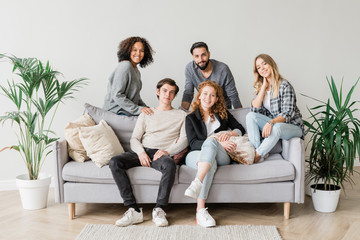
100,143
75,148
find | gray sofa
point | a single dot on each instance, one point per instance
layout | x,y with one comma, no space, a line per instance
280,178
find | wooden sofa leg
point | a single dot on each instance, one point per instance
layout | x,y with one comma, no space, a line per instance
71,207
287,210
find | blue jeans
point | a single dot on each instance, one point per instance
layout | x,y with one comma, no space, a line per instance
213,153
255,123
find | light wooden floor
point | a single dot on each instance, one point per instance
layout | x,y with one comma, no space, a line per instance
304,222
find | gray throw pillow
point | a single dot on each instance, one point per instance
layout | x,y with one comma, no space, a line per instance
122,126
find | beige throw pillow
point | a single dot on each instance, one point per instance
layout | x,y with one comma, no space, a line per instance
75,148
244,152
100,143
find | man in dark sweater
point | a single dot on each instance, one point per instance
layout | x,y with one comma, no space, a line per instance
202,68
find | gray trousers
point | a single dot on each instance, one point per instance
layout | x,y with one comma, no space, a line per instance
166,165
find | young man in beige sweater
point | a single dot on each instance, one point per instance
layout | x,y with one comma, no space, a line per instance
155,139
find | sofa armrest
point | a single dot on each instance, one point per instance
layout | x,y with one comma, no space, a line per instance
61,157
294,152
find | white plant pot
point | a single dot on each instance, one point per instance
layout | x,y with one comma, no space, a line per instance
308,189
325,200
33,193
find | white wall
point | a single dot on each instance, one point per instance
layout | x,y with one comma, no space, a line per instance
308,39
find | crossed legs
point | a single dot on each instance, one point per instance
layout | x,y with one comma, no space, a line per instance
205,161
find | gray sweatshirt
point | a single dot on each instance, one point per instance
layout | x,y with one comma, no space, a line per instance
123,90
221,74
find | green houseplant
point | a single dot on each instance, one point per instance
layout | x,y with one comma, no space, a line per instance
334,139
36,97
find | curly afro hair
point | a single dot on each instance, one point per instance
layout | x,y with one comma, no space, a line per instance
125,49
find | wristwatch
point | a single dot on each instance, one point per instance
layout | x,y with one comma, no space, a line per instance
269,122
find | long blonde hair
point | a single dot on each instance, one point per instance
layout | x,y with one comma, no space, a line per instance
219,107
277,78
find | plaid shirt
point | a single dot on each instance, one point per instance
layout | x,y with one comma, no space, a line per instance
284,105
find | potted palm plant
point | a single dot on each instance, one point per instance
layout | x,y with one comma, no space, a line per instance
36,97
335,141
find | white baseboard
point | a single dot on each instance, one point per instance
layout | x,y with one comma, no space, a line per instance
357,162
8,185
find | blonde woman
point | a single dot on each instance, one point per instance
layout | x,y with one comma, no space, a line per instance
274,114
208,116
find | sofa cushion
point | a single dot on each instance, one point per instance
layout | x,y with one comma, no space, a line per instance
240,115
88,172
273,169
122,125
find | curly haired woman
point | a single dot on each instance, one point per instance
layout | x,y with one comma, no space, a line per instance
208,116
123,90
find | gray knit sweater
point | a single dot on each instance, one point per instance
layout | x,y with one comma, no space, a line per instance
163,130
123,90
221,74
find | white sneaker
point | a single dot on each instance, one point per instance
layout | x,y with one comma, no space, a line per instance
204,219
194,189
158,217
130,217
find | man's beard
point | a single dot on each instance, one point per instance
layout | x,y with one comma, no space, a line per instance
205,66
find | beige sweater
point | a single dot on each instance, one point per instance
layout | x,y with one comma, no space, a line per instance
163,130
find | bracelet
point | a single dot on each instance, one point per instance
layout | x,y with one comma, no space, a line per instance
269,122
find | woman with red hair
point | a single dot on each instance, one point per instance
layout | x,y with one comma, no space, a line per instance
208,116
